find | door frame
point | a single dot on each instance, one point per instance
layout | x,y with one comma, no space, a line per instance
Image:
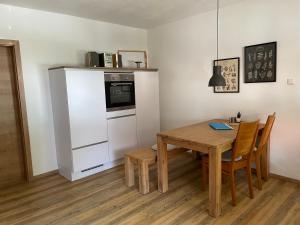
22,112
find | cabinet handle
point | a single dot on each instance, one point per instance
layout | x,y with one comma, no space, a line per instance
120,84
91,168
117,117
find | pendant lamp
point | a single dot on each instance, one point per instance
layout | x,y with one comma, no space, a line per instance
217,79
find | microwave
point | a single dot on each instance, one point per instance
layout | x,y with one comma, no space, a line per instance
94,59
119,91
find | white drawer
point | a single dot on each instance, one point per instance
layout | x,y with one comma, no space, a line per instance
90,157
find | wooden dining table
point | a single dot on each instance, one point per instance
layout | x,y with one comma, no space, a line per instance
202,138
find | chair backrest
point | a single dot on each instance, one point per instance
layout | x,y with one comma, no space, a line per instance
245,140
266,132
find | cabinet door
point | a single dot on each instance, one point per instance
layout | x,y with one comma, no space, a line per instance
122,136
147,107
87,107
90,157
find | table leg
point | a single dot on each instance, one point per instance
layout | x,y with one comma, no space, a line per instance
162,165
215,183
265,167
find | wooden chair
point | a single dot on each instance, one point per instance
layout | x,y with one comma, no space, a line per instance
238,158
143,158
261,148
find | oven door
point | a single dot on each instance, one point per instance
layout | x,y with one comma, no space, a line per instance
119,95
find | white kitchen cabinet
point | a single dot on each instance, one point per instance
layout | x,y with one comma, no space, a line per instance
80,124
122,136
90,157
87,108
89,139
147,107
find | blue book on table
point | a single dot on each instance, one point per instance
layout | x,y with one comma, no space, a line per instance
220,126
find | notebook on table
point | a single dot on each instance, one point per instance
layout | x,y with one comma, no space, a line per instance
220,126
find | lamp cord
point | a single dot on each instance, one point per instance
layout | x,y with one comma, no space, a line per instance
217,29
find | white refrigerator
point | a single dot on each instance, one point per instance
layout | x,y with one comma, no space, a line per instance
79,113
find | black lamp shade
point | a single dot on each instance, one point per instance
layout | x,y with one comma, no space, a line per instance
217,79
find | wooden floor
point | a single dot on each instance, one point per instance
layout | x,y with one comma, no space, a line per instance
104,199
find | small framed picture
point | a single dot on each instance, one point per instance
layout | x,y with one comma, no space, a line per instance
133,58
260,63
231,72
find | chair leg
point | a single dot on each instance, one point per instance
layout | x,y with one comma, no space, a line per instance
233,187
204,176
129,172
249,178
143,177
258,172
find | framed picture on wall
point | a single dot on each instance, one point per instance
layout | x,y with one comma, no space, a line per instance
231,73
134,58
260,63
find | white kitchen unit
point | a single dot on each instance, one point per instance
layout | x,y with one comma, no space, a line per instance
79,112
91,138
147,107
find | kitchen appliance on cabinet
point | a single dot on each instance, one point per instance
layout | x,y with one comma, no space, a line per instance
119,90
106,59
92,59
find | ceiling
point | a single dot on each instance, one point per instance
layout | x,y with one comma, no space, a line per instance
135,13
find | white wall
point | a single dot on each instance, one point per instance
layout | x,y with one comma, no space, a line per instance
49,39
184,52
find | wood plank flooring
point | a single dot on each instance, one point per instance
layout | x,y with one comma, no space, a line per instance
104,199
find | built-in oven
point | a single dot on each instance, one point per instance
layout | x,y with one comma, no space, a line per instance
119,91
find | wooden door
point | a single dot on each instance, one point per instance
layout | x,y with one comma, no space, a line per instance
12,165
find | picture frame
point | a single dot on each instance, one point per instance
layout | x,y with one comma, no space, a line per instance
260,63
231,72
129,57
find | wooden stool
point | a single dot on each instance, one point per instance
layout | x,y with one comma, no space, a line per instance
143,157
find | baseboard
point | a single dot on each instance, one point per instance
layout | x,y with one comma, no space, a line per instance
55,172
285,178
43,175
